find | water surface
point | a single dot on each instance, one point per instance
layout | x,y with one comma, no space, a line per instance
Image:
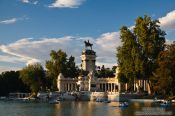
71,108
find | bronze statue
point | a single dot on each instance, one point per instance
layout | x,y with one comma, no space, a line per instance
88,44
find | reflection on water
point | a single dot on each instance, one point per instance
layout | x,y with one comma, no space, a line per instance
67,108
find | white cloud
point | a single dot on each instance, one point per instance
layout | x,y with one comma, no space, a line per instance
35,2
33,61
29,2
25,1
13,20
9,21
28,51
9,59
66,3
106,48
168,22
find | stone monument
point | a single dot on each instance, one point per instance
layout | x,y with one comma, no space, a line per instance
88,57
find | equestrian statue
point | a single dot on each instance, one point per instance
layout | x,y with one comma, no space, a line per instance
88,44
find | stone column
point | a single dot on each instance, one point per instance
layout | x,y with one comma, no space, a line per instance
68,86
111,86
119,88
126,87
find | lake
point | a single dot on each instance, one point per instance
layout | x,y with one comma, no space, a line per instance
73,108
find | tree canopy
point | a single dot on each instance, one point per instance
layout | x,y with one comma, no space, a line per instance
137,57
10,82
105,72
164,76
59,63
33,76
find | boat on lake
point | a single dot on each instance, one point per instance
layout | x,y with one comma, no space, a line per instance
165,103
54,101
123,104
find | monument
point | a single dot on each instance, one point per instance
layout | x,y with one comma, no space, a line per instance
88,82
88,57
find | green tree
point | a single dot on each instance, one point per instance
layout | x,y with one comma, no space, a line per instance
72,70
129,62
59,63
10,82
137,57
33,76
55,65
105,72
164,76
151,40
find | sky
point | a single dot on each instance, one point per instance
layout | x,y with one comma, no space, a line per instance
30,29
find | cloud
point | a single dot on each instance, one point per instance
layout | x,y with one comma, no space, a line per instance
25,1
168,22
28,50
106,48
66,3
13,20
9,59
9,21
29,2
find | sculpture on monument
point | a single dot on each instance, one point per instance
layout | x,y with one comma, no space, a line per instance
88,44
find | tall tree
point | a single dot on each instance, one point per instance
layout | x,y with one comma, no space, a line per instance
56,65
59,63
33,76
164,76
151,40
137,57
72,70
129,62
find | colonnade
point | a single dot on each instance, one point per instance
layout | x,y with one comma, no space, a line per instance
70,86
110,87
141,83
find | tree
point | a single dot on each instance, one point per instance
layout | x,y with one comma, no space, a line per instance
59,63
164,76
55,65
104,72
72,70
151,41
137,57
129,62
10,82
33,76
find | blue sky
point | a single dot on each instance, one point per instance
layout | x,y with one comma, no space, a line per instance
29,29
